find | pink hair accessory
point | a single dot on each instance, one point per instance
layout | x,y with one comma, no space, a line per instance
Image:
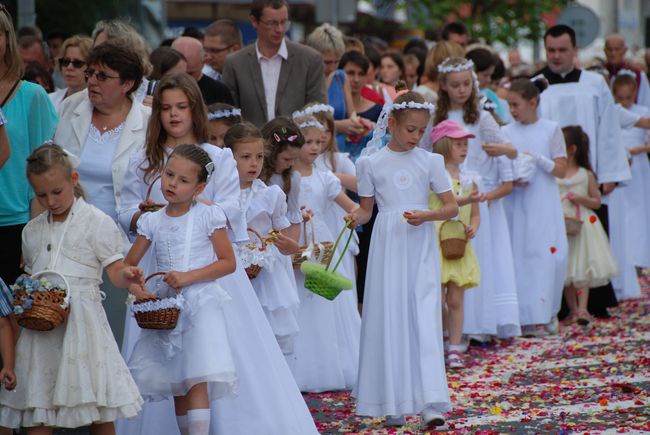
292,138
277,137
449,129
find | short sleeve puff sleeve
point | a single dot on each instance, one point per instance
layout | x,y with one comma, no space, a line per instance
439,181
107,241
213,218
332,185
278,200
365,184
145,225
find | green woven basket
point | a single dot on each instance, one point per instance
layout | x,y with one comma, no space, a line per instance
324,282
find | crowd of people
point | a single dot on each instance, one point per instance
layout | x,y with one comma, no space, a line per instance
479,202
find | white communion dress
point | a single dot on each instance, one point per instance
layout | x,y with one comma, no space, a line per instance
401,366
73,375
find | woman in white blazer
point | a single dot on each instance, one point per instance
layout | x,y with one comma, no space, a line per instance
105,125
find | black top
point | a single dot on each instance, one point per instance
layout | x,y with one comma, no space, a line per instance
555,79
214,91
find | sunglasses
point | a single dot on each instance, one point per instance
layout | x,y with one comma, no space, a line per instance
76,63
101,76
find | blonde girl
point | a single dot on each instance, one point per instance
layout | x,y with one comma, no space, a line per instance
401,296
221,117
326,353
456,276
59,369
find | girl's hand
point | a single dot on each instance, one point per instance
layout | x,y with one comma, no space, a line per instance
8,378
148,101
483,196
285,244
177,280
307,213
133,274
417,217
146,203
575,199
470,231
608,188
140,293
473,197
349,127
519,183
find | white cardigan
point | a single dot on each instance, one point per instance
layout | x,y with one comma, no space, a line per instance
74,125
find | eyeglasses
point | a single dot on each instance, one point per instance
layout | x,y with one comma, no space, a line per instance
217,50
285,24
76,63
101,76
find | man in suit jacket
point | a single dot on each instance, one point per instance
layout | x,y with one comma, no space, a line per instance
273,76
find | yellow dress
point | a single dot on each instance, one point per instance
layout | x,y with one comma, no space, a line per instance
465,271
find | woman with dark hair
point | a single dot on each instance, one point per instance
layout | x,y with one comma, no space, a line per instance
164,60
485,63
104,125
31,121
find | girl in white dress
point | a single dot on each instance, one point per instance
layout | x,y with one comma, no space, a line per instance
538,235
342,167
326,352
265,208
491,309
192,248
591,263
629,203
266,386
73,375
401,366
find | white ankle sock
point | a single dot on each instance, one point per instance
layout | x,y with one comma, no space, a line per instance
181,420
198,421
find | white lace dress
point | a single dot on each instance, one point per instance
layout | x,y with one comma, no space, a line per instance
73,375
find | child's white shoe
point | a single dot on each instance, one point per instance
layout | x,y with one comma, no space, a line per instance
455,359
431,419
553,326
395,420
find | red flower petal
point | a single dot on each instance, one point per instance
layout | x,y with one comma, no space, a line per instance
553,249
592,219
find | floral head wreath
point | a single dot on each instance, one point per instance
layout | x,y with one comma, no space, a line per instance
446,68
308,124
382,123
311,110
224,114
626,72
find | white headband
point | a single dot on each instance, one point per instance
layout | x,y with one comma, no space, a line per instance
445,68
626,72
224,114
311,110
308,124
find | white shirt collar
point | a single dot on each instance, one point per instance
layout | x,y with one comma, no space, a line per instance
282,52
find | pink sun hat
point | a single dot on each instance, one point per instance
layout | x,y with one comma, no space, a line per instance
449,129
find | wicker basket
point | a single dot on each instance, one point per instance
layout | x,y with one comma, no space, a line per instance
153,207
324,282
323,257
573,224
254,269
165,318
46,312
453,239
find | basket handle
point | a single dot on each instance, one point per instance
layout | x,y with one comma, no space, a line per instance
151,186
347,243
304,230
446,222
153,275
65,281
251,230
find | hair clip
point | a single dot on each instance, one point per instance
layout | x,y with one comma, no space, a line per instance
224,114
209,167
292,138
277,137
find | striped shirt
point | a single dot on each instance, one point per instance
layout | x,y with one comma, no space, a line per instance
6,300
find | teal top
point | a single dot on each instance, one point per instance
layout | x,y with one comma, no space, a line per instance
31,120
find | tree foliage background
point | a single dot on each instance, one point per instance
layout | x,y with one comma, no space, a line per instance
505,21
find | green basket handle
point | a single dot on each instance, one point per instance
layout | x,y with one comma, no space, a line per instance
347,243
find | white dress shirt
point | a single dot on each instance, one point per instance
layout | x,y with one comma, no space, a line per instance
271,75
211,72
